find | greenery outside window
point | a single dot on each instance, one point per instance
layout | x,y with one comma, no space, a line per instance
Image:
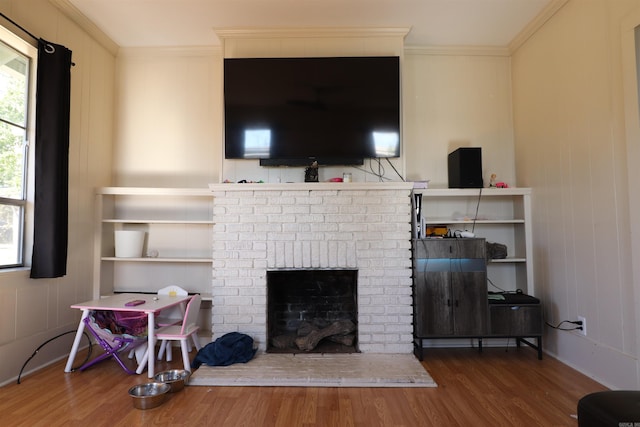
16,95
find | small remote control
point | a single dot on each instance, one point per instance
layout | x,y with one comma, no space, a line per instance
134,302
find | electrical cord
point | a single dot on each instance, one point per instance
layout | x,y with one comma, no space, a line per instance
51,339
494,285
560,328
380,174
395,170
475,217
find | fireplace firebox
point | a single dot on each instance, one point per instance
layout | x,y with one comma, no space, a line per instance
312,311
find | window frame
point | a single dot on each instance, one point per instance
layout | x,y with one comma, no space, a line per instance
27,201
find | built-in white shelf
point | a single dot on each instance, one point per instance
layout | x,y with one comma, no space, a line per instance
500,215
155,221
158,259
178,223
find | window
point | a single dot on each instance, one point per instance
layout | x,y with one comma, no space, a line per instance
17,60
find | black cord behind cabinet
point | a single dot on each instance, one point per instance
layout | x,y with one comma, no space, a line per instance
450,289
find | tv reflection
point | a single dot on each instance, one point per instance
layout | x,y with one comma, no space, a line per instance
385,143
257,143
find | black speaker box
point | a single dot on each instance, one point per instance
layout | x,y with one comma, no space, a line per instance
465,168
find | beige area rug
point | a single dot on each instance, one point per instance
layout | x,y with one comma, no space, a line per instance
318,370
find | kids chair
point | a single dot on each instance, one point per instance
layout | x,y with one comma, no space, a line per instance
185,332
173,315
113,332
170,316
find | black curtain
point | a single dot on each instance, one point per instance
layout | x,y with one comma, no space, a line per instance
51,161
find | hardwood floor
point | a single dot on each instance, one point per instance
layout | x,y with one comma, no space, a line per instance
492,388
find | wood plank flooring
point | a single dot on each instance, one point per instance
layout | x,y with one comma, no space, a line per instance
492,388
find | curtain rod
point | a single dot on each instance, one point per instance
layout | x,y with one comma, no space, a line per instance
19,26
37,39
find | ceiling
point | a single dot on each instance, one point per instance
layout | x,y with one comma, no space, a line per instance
166,23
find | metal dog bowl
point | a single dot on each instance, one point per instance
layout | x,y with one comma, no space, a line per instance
149,395
176,378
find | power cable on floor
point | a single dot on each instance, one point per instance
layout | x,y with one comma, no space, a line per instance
51,339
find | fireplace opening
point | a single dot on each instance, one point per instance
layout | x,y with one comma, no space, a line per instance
312,311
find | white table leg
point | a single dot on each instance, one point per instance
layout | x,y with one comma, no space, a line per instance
76,342
151,353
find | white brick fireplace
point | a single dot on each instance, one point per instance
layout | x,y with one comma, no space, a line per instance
362,226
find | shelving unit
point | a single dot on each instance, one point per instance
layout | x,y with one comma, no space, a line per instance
499,215
178,244
495,215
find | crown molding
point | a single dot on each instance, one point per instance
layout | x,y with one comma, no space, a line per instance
545,14
300,32
172,51
74,14
457,50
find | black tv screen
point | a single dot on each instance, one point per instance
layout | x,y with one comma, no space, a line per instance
336,110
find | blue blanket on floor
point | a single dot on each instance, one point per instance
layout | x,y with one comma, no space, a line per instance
230,348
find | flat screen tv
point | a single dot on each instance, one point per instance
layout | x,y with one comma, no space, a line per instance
292,111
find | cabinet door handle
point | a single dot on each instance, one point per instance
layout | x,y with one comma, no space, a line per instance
456,303
448,302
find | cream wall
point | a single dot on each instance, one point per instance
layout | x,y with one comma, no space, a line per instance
168,117
571,149
457,98
169,112
33,311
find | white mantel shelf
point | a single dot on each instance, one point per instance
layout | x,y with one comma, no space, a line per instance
323,186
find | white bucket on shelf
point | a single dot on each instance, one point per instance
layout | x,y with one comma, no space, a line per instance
129,243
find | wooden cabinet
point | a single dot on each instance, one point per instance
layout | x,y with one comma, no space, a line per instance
517,320
517,316
450,288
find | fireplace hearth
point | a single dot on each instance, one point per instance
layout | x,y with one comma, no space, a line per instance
312,311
